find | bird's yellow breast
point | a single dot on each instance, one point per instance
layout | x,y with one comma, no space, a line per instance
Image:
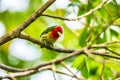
51,38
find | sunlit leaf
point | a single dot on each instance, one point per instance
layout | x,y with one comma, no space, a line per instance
113,32
84,69
48,54
107,35
107,73
80,64
83,37
112,9
78,61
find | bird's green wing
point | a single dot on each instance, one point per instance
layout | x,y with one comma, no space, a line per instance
47,30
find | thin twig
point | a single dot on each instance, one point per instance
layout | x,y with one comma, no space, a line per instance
6,77
63,64
67,74
118,54
56,17
106,45
78,18
54,75
106,55
112,42
60,72
29,72
53,71
10,69
11,76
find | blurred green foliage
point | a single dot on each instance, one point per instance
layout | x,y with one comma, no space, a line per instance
90,68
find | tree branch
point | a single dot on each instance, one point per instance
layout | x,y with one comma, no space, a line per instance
72,52
45,45
118,54
64,65
106,55
30,72
16,32
11,76
47,65
9,36
10,69
78,18
33,17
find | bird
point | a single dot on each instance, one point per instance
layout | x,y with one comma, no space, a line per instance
51,35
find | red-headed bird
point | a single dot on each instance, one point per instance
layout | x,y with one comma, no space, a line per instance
51,35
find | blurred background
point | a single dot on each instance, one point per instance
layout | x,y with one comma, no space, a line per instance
22,54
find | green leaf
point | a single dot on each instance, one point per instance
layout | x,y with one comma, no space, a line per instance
78,61
112,9
84,69
48,54
107,35
3,56
81,10
80,64
108,73
83,37
88,19
113,32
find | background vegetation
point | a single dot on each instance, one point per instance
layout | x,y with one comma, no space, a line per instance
90,48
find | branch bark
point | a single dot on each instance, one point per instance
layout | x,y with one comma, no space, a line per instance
13,34
16,33
26,37
78,18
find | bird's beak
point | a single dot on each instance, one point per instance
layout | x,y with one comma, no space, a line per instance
59,33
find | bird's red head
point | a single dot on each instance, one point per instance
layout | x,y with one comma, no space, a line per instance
56,31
